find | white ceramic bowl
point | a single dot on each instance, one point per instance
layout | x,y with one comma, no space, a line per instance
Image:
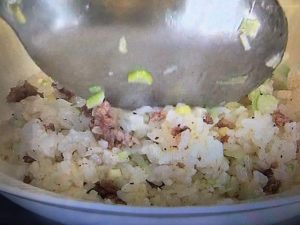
73,212
16,65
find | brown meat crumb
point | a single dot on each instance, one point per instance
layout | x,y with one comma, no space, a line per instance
180,165
178,130
64,92
208,119
86,111
104,126
49,126
268,173
59,158
28,159
27,179
158,116
274,165
280,119
225,123
273,185
107,190
224,139
152,185
21,92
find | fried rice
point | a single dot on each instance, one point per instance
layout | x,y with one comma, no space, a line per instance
152,156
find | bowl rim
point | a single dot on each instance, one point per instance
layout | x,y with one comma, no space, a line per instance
56,200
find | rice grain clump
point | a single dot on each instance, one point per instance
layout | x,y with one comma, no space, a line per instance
166,156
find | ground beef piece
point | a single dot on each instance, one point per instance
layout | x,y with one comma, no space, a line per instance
49,126
224,139
180,165
273,185
152,185
21,92
107,190
27,179
208,119
178,130
104,126
103,115
225,123
59,158
86,111
280,119
28,159
157,116
64,92
274,165
268,173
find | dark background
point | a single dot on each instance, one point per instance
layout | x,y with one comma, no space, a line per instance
11,214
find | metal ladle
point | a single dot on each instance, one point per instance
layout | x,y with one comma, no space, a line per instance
193,48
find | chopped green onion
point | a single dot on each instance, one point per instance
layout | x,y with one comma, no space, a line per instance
267,104
95,99
223,131
140,160
123,156
95,89
234,80
18,13
265,89
281,74
183,109
140,76
245,42
211,182
290,167
283,70
234,154
253,97
234,151
115,173
233,105
250,27
216,111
